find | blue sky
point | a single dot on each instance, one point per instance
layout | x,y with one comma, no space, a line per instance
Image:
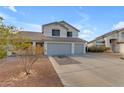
92,21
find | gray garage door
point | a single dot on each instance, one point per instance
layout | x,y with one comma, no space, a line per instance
58,49
79,49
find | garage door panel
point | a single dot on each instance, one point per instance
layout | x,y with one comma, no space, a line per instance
58,49
79,49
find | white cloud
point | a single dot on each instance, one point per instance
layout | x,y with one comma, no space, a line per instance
25,25
7,18
118,25
12,8
84,17
29,26
79,26
87,32
83,36
86,29
3,15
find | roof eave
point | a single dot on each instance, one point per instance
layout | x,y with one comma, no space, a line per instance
70,25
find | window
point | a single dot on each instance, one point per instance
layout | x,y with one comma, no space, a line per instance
100,42
122,34
55,32
69,34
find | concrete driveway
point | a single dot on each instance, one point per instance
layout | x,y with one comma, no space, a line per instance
90,70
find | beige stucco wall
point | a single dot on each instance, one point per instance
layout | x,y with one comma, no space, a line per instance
120,37
121,46
94,42
107,42
75,33
91,44
63,31
117,36
48,30
112,36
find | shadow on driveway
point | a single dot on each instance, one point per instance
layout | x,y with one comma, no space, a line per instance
64,60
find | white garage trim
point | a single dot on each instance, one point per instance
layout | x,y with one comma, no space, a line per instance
84,48
73,44
45,48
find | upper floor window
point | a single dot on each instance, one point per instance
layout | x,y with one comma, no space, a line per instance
122,34
55,32
69,34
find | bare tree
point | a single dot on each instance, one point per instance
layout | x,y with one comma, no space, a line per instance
28,59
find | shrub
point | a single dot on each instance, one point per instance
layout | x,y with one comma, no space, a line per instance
108,50
3,53
122,58
97,49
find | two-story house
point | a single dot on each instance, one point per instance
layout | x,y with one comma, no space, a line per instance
57,38
62,39
113,40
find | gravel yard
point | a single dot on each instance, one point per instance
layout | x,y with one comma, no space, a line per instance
43,74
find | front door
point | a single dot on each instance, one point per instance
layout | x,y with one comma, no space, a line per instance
39,49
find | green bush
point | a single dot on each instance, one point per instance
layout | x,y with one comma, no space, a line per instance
97,49
3,53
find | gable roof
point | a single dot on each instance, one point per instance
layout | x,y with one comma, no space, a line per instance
55,23
63,39
69,25
112,32
108,34
61,24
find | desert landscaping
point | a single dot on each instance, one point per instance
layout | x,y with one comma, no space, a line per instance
42,74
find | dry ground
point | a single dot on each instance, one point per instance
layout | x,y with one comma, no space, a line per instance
12,74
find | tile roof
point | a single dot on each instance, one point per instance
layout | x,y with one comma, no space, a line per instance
63,39
31,35
109,33
38,36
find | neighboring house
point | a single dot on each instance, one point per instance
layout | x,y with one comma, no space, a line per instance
57,38
113,40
